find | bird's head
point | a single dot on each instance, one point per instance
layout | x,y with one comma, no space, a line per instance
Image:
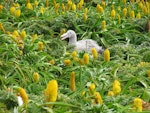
69,34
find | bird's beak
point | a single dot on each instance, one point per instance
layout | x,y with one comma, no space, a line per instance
64,36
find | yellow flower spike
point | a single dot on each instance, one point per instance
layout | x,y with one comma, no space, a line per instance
23,95
47,3
73,7
67,62
124,12
23,34
99,9
52,62
106,55
132,1
98,98
1,8
81,61
20,52
79,5
132,15
16,5
15,33
12,10
17,13
145,10
69,5
103,24
36,77
140,4
149,74
110,93
56,7
85,17
92,88
86,10
124,1
119,19
29,6
36,3
75,59
72,81
138,15
113,13
42,10
40,45
86,58
63,7
94,53
51,91
62,31
74,54
137,104
116,88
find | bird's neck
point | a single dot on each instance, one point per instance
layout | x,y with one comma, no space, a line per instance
73,40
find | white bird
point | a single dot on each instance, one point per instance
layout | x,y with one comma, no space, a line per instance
81,45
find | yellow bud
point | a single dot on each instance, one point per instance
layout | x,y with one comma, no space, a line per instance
63,8
99,9
52,62
17,13
74,54
36,77
29,6
86,10
98,98
132,14
119,19
137,103
145,10
67,62
94,53
12,10
138,15
47,3
42,10
72,81
74,7
103,25
106,55
140,5
103,3
36,3
1,8
85,16
113,13
86,58
110,93
124,12
40,45
15,33
92,88
23,34
23,95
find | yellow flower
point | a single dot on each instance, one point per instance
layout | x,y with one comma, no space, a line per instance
119,19
124,1
86,10
23,95
149,73
99,9
51,91
106,55
132,14
98,98
52,62
69,4
67,62
86,58
63,7
17,13
116,88
137,103
56,7
140,5
138,15
145,10
16,5
36,3
110,93
75,58
81,61
72,81
103,24
12,10
92,88
103,3
40,45
29,6
80,4
1,7
85,16
74,53
36,77
23,34
62,31
21,52
27,1
124,12
73,7
42,10
113,13
94,53
15,33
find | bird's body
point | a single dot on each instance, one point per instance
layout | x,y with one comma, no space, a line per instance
81,45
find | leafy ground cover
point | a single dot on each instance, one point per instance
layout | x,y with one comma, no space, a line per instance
51,77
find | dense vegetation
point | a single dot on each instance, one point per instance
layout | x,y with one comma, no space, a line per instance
32,54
